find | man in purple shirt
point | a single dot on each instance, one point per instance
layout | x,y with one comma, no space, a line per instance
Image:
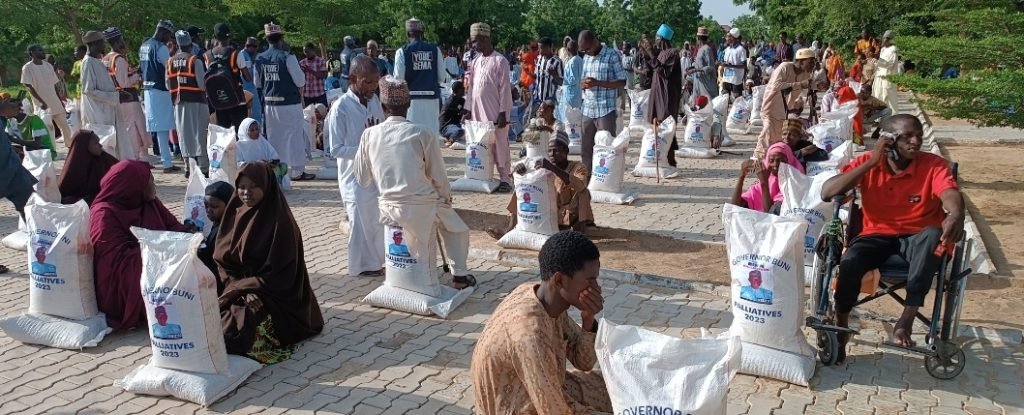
783,50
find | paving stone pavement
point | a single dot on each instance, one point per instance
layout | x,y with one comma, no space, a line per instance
376,361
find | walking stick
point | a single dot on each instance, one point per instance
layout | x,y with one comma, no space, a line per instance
657,152
444,257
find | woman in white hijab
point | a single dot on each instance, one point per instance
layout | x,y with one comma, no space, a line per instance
252,146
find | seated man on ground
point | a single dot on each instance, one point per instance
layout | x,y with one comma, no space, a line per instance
518,364
574,211
873,109
765,195
452,114
804,150
911,205
545,121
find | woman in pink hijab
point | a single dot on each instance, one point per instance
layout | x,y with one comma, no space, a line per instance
765,195
127,198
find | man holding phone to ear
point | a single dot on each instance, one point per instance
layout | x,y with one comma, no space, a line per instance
911,207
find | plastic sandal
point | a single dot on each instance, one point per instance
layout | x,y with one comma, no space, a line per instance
467,280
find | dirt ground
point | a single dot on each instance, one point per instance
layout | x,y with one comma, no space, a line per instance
631,251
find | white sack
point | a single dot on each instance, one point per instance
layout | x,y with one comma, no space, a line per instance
17,240
720,108
536,140
60,260
638,108
56,332
479,168
329,170
410,255
801,198
40,165
574,129
199,388
221,148
194,208
828,134
609,167
766,251
739,117
652,373
838,158
395,298
536,209
844,114
74,117
698,128
180,294
697,153
654,152
757,101
107,135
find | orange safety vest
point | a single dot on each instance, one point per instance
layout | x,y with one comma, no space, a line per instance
181,79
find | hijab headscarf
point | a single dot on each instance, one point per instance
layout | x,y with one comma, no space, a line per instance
259,251
117,257
252,149
80,179
753,195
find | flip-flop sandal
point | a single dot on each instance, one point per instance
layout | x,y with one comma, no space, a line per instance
304,177
504,188
466,280
376,273
4,269
494,233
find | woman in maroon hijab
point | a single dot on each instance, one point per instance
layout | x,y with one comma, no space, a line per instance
86,165
127,198
267,305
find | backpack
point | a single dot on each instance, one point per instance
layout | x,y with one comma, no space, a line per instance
222,81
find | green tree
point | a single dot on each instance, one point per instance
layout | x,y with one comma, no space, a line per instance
752,26
558,18
682,16
982,38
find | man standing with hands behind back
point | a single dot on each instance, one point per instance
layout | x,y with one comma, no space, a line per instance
490,97
603,75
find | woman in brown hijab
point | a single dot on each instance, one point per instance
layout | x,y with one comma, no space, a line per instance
267,305
86,165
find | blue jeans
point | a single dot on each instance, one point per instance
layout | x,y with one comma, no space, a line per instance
257,107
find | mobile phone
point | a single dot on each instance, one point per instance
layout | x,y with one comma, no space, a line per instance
890,148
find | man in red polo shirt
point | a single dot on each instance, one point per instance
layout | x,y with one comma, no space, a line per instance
911,206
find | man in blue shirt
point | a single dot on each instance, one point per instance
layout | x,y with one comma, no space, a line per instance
603,75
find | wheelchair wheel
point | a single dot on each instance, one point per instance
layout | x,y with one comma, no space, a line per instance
948,362
828,347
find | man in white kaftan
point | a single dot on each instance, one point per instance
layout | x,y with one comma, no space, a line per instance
424,71
100,97
404,161
348,117
888,62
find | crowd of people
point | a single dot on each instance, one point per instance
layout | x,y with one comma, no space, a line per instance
385,130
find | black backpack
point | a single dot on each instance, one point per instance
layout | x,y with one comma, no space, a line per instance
223,85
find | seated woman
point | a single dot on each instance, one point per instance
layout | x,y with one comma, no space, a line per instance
765,195
218,194
573,198
267,304
127,198
804,150
253,146
86,165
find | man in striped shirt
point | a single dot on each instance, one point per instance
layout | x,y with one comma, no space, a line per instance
548,72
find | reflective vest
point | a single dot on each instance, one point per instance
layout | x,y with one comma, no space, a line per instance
278,86
181,79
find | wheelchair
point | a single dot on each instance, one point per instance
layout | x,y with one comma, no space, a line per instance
943,356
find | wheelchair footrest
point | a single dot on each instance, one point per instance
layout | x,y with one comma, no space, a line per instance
832,327
928,350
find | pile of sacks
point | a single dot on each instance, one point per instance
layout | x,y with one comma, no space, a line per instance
190,359
62,308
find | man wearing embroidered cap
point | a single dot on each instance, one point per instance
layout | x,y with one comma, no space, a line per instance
783,96
419,64
490,97
887,63
186,75
705,81
100,97
404,161
666,84
132,141
281,77
349,116
734,64
153,56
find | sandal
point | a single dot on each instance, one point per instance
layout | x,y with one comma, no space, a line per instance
376,273
304,177
4,269
466,281
494,232
504,187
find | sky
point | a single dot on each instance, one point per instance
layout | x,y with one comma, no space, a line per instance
722,10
